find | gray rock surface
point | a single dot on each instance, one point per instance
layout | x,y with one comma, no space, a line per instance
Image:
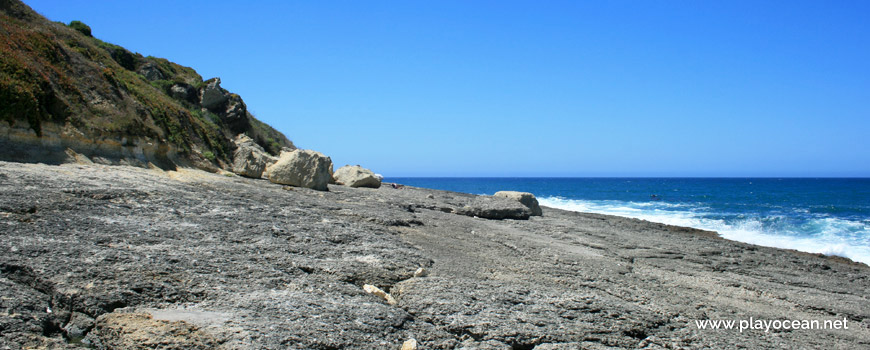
212,95
249,159
188,259
302,168
497,208
356,176
525,198
78,326
236,116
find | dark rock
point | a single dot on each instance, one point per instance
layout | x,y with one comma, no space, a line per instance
184,92
236,116
495,208
150,72
212,95
78,326
188,259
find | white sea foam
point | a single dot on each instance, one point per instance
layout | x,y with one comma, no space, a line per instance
831,236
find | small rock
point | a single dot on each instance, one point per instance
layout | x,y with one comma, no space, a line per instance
421,272
410,344
525,198
380,292
430,196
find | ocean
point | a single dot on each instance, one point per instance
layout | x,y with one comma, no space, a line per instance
827,215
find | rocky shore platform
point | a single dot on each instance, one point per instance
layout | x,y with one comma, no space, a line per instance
116,257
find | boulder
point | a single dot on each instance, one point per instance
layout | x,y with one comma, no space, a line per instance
213,95
249,159
496,208
356,176
525,198
78,326
301,168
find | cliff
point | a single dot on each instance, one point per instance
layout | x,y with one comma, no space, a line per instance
62,89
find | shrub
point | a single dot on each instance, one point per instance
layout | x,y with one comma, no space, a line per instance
81,27
208,155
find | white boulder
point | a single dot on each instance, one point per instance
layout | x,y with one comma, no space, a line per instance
356,176
301,168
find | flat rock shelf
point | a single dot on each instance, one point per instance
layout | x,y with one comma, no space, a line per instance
116,257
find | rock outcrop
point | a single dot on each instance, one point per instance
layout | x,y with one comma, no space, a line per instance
497,208
302,168
249,159
150,72
525,198
64,89
184,92
356,176
212,95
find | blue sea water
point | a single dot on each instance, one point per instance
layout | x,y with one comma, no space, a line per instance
828,216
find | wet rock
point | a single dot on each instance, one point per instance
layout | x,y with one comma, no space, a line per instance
525,198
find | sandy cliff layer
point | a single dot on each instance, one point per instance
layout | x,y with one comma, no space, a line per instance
127,257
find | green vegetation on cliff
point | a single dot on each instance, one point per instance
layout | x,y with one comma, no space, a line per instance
56,73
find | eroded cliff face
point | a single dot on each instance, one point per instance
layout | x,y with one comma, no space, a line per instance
62,89
60,144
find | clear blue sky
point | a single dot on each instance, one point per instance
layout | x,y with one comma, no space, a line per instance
533,88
